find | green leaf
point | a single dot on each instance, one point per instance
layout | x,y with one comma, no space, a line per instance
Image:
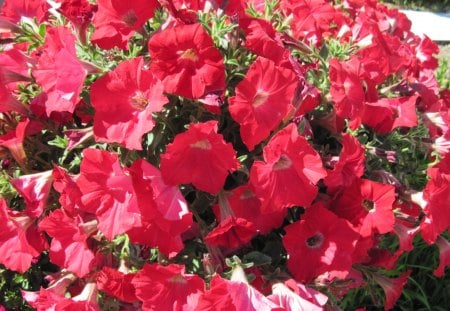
59,142
257,258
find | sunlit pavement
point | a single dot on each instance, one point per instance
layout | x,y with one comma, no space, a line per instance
435,25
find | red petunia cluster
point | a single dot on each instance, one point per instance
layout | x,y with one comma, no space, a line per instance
218,155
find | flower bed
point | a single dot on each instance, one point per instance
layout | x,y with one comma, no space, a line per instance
218,155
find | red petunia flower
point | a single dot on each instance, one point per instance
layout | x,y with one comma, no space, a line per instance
233,295
116,21
15,10
164,211
14,139
245,204
35,189
15,65
263,98
185,59
167,287
320,242
295,296
199,156
389,113
124,100
368,205
231,232
20,241
349,167
116,284
69,247
444,256
107,191
311,18
262,39
70,194
7,101
437,196
347,89
289,173
59,71
80,14
392,287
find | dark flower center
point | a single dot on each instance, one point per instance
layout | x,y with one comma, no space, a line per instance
368,205
130,18
315,241
283,163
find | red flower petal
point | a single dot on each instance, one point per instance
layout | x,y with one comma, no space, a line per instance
116,21
199,156
34,189
288,175
231,232
124,100
263,98
392,287
225,295
116,284
164,211
69,248
20,241
185,59
167,287
107,192
59,71
320,242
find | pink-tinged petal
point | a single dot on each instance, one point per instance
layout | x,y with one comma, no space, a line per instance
59,72
300,300
227,295
392,287
13,140
34,189
20,242
15,10
107,191
167,288
69,247
444,256
116,21
124,100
